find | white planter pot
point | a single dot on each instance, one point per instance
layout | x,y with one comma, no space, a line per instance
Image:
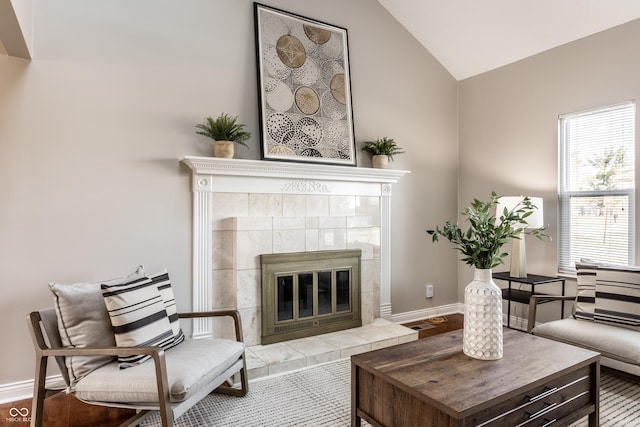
482,336
224,149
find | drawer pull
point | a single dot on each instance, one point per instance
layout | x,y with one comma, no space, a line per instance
548,423
543,394
546,408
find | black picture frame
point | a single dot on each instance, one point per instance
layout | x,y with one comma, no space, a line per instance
304,89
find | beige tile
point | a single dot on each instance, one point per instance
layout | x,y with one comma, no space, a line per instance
265,205
249,284
311,240
368,206
253,223
286,366
256,368
372,333
250,245
384,343
294,205
365,239
332,239
342,205
289,240
332,222
343,340
348,352
228,205
317,205
289,223
223,289
312,346
223,254
311,222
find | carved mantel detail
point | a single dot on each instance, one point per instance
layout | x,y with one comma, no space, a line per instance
305,186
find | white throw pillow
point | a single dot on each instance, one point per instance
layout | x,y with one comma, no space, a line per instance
83,321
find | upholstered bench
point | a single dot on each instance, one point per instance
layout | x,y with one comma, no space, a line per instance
606,315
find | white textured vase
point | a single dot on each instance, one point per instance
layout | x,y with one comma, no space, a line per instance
482,337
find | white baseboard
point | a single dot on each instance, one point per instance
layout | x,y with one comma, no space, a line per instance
16,391
20,390
412,316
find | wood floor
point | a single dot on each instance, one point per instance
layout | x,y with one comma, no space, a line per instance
62,410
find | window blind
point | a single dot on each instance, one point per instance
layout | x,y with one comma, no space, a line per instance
596,191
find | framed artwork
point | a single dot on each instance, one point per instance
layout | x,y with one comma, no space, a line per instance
304,89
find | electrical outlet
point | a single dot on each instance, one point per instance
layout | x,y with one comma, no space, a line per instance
429,290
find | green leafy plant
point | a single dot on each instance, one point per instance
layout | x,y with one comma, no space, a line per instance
382,146
224,128
482,242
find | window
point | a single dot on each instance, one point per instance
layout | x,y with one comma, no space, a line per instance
596,189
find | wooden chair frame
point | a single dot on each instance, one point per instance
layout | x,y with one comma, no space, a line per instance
41,333
533,305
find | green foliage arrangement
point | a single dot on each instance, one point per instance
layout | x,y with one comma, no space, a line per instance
483,240
382,146
224,128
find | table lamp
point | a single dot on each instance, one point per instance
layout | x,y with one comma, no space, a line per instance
535,220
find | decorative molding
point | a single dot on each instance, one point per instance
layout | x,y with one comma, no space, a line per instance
275,169
305,186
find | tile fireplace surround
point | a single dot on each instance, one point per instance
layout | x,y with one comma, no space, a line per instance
244,208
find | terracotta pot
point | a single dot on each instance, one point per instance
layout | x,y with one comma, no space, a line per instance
380,161
224,149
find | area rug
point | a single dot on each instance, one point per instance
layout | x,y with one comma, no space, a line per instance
320,396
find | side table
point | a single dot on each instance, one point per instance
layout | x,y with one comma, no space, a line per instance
521,296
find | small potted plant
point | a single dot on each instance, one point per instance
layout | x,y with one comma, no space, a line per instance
225,131
383,149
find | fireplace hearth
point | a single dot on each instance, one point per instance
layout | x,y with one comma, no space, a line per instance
309,293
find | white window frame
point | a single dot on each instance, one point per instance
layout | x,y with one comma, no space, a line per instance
566,265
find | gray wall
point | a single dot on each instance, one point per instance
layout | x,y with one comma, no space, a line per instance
92,128
509,121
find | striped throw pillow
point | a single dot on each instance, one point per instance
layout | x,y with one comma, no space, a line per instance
83,321
162,281
618,297
586,291
138,317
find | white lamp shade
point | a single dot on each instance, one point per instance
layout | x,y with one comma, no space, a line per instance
535,220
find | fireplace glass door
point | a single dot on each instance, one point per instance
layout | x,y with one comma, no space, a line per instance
309,293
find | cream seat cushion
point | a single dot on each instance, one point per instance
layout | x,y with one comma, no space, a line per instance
611,341
189,365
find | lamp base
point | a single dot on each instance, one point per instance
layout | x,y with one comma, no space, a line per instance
518,258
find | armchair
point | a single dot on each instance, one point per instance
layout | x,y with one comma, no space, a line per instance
171,382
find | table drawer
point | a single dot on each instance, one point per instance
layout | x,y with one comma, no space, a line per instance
540,405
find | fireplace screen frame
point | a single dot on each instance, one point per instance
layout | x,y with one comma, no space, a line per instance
292,265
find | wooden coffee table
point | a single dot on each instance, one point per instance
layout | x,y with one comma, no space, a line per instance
430,382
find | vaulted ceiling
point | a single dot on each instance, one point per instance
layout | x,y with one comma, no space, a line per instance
470,37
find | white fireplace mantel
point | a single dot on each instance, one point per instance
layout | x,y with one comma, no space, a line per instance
211,175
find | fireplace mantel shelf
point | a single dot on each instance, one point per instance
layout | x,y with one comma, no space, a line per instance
274,169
